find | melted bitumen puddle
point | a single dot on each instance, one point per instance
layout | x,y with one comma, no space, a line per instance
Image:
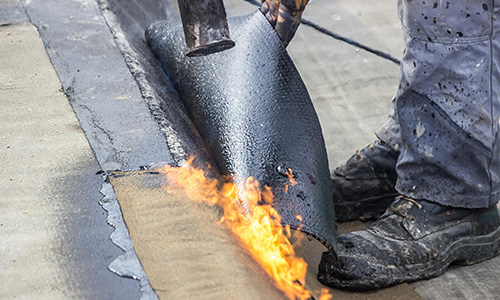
127,264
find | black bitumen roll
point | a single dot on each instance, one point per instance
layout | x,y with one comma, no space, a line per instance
254,112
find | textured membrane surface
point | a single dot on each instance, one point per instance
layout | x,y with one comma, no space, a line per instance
254,113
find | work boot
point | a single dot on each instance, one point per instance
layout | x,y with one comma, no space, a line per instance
413,240
363,187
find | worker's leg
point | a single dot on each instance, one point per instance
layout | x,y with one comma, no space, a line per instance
447,109
448,103
364,186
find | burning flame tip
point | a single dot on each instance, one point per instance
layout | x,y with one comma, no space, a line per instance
325,294
288,232
291,177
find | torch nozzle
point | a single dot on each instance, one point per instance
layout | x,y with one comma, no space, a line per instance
205,26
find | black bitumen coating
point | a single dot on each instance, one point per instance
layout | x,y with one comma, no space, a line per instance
255,115
83,248
12,12
94,76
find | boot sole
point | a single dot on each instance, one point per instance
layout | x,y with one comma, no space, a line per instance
466,251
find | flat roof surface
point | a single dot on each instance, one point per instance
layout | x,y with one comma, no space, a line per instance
73,112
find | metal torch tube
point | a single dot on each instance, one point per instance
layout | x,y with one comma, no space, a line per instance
205,26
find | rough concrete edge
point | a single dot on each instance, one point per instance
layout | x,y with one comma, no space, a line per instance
127,264
148,93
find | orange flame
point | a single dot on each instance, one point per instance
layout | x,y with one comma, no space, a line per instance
289,174
258,226
325,295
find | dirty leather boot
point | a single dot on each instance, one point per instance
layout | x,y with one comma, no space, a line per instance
413,240
363,187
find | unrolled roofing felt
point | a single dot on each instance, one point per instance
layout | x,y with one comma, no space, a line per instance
255,115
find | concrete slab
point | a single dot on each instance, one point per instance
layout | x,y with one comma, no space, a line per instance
478,281
55,241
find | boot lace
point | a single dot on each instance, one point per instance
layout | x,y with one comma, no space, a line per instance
402,209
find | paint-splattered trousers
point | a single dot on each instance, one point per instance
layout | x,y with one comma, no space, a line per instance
446,111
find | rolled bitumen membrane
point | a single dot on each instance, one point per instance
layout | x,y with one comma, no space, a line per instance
255,115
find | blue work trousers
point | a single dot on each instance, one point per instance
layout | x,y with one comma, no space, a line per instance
446,111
